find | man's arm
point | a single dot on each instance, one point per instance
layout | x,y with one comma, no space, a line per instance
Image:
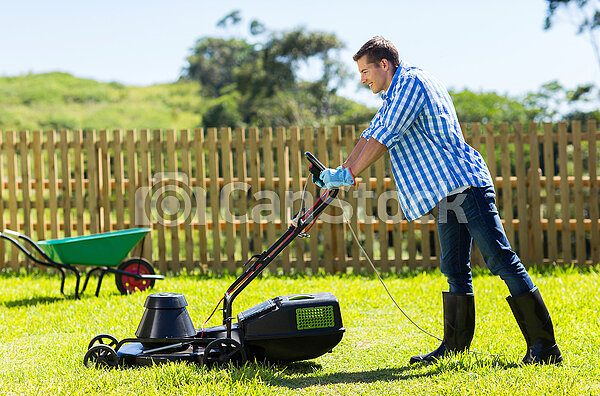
360,144
370,151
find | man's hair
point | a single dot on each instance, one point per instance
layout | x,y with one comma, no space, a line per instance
378,48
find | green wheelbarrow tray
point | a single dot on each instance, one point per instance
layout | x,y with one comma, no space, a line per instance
107,248
104,252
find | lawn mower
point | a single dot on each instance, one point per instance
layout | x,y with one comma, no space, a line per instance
282,329
104,252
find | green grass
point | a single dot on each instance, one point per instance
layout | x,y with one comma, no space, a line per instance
44,338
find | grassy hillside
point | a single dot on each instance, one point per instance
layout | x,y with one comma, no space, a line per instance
60,100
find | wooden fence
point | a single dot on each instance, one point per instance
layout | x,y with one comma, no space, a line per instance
214,197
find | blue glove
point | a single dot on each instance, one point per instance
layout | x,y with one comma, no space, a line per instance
335,178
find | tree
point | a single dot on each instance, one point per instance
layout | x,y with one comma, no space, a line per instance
214,62
487,106
553,102
223,111
585,14
268,70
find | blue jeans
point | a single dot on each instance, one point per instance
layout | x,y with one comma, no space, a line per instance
472,216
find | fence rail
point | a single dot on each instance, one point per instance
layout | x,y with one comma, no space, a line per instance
214,197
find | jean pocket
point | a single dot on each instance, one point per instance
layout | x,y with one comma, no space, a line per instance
486,199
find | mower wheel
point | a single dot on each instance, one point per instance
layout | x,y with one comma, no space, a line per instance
128,284
101,356
103,339
222,351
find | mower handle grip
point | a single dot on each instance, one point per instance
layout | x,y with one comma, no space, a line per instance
315,167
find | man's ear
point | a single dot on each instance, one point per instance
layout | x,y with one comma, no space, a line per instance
385,64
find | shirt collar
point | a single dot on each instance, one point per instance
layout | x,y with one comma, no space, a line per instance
386,95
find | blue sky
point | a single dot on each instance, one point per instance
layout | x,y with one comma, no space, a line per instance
481,45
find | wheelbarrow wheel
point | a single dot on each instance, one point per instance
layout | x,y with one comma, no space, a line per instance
128,284
103,339
222,351
101,356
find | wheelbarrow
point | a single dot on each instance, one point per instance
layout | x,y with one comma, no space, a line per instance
104,252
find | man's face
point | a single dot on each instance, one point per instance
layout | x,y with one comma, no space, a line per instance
376,75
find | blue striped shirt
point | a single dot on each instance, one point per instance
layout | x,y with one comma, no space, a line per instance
417,123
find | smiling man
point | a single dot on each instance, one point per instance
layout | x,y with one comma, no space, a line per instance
434,167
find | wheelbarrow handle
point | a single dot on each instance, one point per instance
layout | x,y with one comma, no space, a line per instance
17,235
11,233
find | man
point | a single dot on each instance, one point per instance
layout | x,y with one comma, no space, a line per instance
435,169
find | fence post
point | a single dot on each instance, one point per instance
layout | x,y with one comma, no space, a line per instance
254,171
269,185
337,229
578,179
282,188
507,195
536,239
242,177
117,145
309,145
564,193
52,181
201,186
12,192
522,193
79,174
105,190
184,150
141,204
326,228
552,239
25,188
297,185
227,168
132,168
92,173
594,197
66,181
213,168
156,163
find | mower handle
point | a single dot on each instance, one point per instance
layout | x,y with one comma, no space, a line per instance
315,167
304,218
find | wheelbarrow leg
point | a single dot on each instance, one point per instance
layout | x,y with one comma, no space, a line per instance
77,278
87,277
62,281
104,271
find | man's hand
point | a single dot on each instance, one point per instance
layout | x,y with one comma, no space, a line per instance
318,182
335,178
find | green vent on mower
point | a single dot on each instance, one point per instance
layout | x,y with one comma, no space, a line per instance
315,317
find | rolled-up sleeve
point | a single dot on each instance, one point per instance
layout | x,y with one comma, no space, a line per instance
369,131
400,114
